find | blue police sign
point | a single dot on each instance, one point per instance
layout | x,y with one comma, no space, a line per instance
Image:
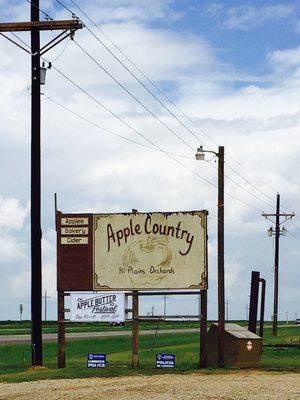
96,360
165,360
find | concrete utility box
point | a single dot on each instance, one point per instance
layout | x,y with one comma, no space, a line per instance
242,348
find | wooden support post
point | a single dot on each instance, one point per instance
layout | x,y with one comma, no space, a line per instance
135,329
61,350
253,301
203,330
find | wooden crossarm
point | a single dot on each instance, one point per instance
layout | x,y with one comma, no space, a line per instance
41,25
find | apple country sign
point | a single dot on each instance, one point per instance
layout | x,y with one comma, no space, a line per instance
149,228
150,251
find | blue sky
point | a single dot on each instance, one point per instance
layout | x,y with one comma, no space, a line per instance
233,67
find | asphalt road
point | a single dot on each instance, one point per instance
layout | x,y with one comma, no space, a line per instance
52,337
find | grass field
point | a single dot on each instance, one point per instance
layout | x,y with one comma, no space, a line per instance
21,328
15,359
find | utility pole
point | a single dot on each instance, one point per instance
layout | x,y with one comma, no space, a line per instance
45,297
21,308
277,232
165,305
221,276
227,308
35,26
36,230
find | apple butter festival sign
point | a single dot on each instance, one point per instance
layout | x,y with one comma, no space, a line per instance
132,251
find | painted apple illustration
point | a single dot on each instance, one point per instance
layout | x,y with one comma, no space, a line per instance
144,254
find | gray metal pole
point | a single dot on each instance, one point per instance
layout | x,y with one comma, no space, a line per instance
221,279
36,236
203,330
262,307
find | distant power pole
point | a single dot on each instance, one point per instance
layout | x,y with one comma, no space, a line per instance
277,232
21,308
227,308
45,297
247,312
287,317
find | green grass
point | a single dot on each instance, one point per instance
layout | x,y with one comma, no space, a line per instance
15,359
21,328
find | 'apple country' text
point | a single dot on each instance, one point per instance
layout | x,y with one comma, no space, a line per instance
121,236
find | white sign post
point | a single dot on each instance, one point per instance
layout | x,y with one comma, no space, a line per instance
97,307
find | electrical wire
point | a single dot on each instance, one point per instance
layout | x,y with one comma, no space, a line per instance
154,85
40,10
133,96
250,184
150,141
155,116
62,51
146,88
21,40
128,125
153,95
109,131
124,88
122,137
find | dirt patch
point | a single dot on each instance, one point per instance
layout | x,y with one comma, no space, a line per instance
252,385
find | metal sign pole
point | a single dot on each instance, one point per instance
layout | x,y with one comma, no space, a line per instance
203,330
135,329
61,337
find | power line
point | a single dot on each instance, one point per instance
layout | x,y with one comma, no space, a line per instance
157,118
146,88
109,131
150,141
150,92
40,10
250,184
128,125
152,83
169,154
142,73
133,96
151,114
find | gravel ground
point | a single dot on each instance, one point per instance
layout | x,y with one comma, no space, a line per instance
252,385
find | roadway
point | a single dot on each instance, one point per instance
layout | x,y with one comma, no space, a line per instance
52,337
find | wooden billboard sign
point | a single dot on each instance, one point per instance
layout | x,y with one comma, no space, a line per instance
132,251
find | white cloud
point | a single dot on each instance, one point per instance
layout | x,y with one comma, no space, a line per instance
122,10
247,17
12,214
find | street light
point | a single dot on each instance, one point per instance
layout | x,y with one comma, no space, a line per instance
200,155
